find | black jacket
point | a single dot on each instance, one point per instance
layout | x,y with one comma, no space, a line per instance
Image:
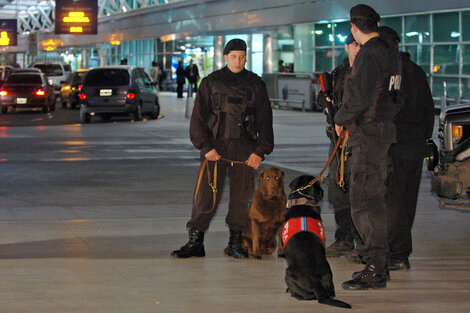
372,94
201,134
415,121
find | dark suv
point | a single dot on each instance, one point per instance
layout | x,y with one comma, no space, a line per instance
118,90
451,163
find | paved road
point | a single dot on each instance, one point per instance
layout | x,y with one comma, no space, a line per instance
89,214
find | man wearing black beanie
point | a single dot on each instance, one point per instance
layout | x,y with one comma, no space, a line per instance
338,195
415,123
369,107
231,125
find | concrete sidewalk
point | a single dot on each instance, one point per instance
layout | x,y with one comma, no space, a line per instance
95,234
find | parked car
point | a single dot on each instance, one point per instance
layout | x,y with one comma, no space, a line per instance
4,69
118,90
71,88
27,89
55,72
450,164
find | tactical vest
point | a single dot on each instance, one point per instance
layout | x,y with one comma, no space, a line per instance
233,107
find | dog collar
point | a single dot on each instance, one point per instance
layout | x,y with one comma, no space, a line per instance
300,201
295,225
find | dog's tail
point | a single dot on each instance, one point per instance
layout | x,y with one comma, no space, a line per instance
334,302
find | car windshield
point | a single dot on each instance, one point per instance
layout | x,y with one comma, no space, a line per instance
78,77
50,69
24,79
107,77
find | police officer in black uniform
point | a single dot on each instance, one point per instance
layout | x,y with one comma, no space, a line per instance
339,195
415,123
370,104
231,124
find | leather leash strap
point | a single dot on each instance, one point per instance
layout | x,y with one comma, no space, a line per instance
325,167
211,183
340,182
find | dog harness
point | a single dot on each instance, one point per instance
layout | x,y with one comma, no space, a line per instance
295,225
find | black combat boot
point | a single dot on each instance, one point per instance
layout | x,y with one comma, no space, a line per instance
235,248
194,247
340,248
369,277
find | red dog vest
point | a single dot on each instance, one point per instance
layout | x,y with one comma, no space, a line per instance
295,225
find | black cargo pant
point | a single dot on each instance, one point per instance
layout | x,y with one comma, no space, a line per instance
402,196
340,200
242,184
369,169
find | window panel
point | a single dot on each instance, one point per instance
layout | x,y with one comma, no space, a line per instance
323,60
446,27
466,60
323,35
342,30
340,55
452,86
303,48
417,29
421,55
466,88
446,59
394,23
466,25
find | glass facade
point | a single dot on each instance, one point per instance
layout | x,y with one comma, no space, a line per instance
439,42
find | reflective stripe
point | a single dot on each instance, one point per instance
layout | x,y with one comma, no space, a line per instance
295,225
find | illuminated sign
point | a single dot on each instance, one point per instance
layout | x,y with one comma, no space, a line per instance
8,32
79,17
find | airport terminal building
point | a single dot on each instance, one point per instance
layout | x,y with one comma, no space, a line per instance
307,35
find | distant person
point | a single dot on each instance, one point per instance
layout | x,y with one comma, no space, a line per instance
180,79
161,76
124,62
155,72
281,67
192,73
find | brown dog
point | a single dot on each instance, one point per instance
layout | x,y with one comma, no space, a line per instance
266,215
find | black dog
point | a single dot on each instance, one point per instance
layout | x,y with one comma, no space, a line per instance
308,274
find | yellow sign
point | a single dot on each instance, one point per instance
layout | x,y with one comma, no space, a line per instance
76,29
76,17
4,39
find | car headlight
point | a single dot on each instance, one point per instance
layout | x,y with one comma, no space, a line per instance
51,81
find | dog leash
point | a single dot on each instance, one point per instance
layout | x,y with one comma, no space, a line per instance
212,183
340,180
310,184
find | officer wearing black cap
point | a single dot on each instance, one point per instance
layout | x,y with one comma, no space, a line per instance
415,123
231,124
339,197
368,111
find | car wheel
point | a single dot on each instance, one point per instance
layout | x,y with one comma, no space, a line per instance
4,109
155,111
85,118
137,115
45,109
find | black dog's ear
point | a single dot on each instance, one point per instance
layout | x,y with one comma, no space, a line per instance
293,184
